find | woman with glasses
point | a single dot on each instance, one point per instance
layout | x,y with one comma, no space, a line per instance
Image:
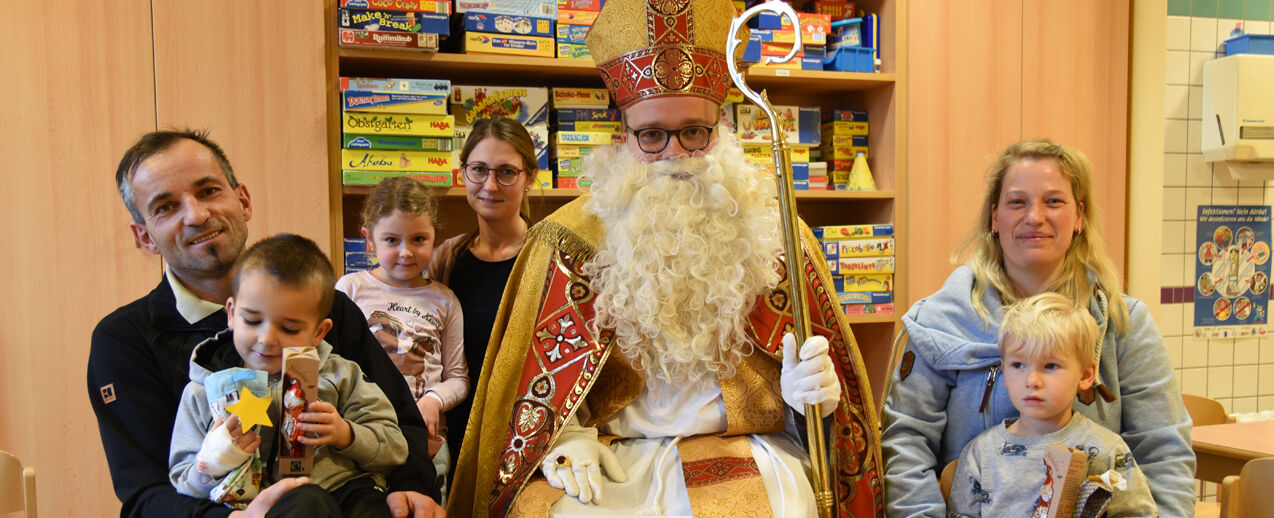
498,163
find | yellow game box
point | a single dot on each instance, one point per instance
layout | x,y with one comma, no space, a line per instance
398,124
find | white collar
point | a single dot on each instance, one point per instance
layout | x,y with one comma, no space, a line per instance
191,307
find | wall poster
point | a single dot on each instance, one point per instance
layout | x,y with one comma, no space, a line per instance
1232,271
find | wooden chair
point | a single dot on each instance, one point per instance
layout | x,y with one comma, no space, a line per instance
1205,411
17,486
1249,493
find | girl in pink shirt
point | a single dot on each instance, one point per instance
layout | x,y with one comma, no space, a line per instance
416,320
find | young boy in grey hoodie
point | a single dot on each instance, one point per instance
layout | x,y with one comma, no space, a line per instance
1047,351
282,291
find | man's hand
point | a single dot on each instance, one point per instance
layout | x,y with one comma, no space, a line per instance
324,425
811,379
431,410
270,496
403,504
573,464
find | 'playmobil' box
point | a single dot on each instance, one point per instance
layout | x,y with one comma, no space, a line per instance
586,98
528,105
300,388
393,21
477,21
431,179
538,8
488,43
429,6
395,160
398,124
799,122
352,141
421,41
394,102
391,84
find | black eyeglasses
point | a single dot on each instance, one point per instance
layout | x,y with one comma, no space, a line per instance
477,173
655,140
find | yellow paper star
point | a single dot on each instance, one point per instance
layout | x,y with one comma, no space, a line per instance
252,410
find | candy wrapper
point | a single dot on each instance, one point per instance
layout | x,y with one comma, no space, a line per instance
222,388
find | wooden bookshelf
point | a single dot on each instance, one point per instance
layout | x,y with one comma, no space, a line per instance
882,94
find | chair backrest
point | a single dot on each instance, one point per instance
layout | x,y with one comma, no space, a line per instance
1250,495
1204,411
17,486
947,477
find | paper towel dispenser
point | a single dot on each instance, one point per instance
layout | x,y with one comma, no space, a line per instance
1238,114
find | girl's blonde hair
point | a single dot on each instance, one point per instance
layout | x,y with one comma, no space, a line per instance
1049,323
1087,252
402,194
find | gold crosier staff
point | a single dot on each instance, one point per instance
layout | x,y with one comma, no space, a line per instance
791,232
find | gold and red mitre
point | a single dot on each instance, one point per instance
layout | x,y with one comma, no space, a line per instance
658,48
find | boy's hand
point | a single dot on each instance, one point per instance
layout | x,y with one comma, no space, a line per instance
248,442
324,425
431,410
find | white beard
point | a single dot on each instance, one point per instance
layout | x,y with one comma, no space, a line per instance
683,259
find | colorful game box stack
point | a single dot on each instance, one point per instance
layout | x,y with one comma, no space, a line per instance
396,24
357,258
852,44
395,127
574,17
775,36
582,120
517,27
801,127
526,104
861,259
844,135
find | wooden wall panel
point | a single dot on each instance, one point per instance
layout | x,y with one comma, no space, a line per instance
77,95
255,74
986,74
965,93
1075,91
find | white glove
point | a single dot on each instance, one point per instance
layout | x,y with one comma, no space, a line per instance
580,454
813,379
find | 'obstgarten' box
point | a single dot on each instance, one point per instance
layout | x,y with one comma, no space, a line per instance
398,124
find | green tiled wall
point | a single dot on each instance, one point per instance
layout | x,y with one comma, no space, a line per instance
1234,9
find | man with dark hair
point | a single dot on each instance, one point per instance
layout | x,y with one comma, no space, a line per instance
188,208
